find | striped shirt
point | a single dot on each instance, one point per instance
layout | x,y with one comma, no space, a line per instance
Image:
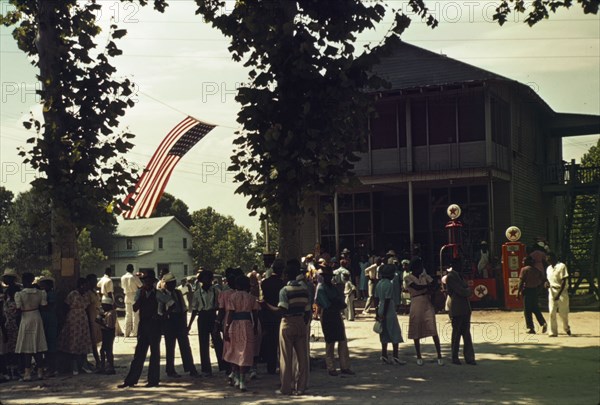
294,298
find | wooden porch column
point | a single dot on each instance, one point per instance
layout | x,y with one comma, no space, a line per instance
336,222
488,129
411,225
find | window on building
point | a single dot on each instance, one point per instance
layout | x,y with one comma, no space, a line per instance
384,133
442,120
354,221
160,243
418,122
471,117
185,243
129,244
185,269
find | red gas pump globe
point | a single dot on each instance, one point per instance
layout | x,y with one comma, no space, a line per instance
513,253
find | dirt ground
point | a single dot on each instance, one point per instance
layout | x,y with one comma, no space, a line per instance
512,368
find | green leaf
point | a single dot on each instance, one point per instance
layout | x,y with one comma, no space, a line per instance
119,33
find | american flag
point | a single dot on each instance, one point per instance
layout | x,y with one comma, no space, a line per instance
152,183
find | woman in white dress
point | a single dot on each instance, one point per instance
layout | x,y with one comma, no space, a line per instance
31,340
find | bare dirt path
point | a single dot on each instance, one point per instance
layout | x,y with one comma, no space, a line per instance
513,368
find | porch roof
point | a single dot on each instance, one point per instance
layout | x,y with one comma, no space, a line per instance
431,176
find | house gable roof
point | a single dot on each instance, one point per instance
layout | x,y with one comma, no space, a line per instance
411,69
145,226
409,66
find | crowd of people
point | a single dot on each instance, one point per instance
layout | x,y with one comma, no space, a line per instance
247,319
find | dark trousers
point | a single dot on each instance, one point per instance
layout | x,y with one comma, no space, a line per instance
461,327
270,343
207,331
148,338
530,298
106,350
176,331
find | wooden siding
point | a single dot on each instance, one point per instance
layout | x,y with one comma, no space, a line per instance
385,161
530,208
172,252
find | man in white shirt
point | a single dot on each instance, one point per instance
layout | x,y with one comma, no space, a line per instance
105,284
130,284
372,272
558,296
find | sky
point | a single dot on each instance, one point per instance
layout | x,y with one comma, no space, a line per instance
181,66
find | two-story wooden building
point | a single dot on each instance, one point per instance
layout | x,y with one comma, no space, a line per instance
448,132
152,243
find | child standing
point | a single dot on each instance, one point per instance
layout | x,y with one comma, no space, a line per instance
350,295
108,321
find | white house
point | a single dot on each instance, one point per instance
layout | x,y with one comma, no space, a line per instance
152,243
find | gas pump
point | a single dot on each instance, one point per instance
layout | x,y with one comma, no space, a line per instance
454,237
513,253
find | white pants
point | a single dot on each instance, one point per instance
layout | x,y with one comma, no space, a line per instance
132,319
562,307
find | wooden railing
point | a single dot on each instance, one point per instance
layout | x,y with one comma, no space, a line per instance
570,173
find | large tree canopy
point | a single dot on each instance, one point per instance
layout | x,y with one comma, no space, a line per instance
169,205
6,197
76,147
218,242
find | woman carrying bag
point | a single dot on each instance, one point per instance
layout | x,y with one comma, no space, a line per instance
389,330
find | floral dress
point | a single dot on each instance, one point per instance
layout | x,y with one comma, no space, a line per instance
74,337
11,325
241,348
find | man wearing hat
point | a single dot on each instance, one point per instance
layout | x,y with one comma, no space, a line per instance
175,327
130,284
271,321
148,337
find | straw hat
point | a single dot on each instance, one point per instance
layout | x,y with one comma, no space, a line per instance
107,300
8,272
168,277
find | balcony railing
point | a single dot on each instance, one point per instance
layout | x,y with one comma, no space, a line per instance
570,173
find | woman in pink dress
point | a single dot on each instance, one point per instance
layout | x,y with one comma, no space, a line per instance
241,329
74,338
229,288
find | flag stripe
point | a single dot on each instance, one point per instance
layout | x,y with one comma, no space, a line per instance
153,181
153,202
148,193
166,145
158,183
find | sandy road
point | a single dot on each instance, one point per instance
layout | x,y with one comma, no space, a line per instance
513,368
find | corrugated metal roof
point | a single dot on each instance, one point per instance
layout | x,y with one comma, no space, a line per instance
412,67
143,226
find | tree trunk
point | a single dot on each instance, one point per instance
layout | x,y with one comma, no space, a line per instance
65,266
290,236
65,262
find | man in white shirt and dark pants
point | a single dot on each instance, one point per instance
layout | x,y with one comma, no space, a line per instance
130,284
558,296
